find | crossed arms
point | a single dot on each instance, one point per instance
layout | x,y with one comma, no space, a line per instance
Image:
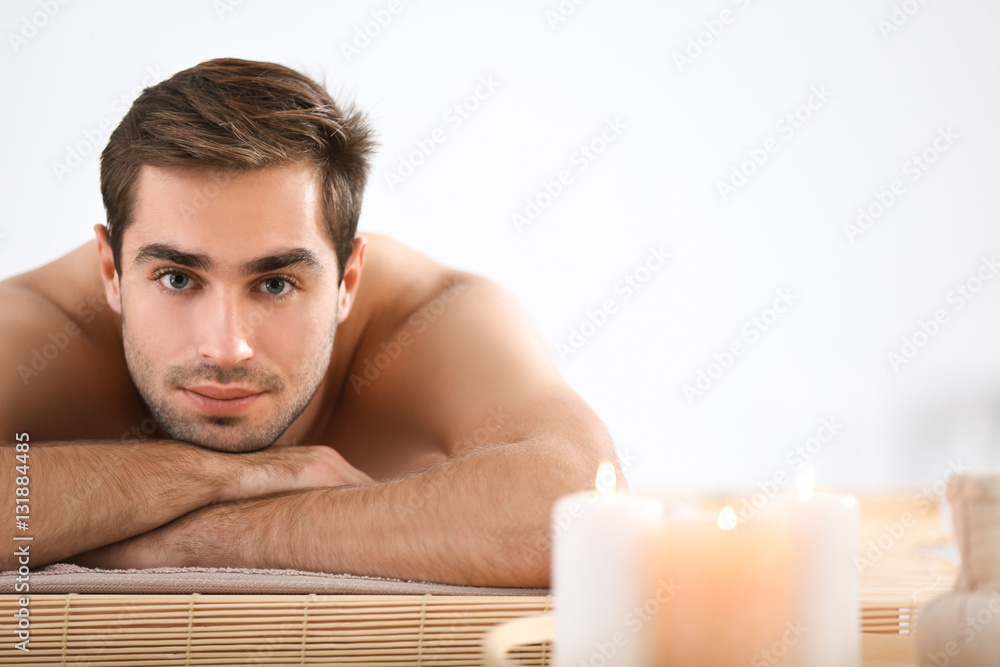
479,516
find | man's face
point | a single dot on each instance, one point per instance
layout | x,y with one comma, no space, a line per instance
228,288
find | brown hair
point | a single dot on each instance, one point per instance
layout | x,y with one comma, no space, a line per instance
231,116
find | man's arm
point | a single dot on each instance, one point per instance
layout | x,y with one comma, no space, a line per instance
479,381
89,494
481,519
85,494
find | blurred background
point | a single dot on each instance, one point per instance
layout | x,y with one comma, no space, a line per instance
753,233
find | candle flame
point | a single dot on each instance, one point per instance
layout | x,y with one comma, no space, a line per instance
606,480
806,481
727,518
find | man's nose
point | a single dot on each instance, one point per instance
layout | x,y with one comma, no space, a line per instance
223,332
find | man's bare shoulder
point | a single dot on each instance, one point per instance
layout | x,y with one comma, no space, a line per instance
456,361
62,376
69,284
397,279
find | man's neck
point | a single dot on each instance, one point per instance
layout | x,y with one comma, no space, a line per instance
308,427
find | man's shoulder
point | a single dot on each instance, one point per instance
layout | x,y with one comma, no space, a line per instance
59,355
396,282
68,287
399,278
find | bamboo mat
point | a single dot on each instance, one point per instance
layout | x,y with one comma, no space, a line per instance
907,558
907,563
113,630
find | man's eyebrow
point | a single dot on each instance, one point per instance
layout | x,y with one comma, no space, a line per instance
152,252
287,258
293,257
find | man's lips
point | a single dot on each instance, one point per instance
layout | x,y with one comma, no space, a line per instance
221,401
223,393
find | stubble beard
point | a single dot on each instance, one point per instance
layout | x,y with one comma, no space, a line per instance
223,433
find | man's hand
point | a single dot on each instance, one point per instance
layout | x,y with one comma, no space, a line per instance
273,471
285,468
156,548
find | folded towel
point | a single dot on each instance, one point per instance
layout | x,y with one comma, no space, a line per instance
68,578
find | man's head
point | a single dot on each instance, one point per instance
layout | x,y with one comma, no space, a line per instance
233,191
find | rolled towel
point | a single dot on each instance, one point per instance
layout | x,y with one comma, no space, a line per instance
962,628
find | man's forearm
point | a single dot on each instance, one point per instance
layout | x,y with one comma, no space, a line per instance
84,495
478,519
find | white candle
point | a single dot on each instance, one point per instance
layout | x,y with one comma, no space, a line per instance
828,583
597,578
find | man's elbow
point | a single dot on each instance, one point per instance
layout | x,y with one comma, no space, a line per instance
528,564
581,467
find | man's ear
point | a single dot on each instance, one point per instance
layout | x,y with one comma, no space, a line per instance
106,264
352,278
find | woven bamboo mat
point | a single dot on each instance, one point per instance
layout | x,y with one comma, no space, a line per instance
905,564
907,558
111,630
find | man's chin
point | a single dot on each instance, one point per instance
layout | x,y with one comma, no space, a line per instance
233,442
233,448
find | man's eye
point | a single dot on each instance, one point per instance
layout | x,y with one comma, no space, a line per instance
276,286
175,281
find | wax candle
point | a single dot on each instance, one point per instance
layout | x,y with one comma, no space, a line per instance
596,579
734,585
828,585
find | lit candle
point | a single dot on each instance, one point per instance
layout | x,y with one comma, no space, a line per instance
734,586
828,587
598,585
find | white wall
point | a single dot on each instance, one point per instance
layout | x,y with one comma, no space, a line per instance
880,95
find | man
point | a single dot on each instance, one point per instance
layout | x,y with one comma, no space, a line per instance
229,376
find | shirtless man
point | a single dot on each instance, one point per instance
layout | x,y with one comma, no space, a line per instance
229,375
